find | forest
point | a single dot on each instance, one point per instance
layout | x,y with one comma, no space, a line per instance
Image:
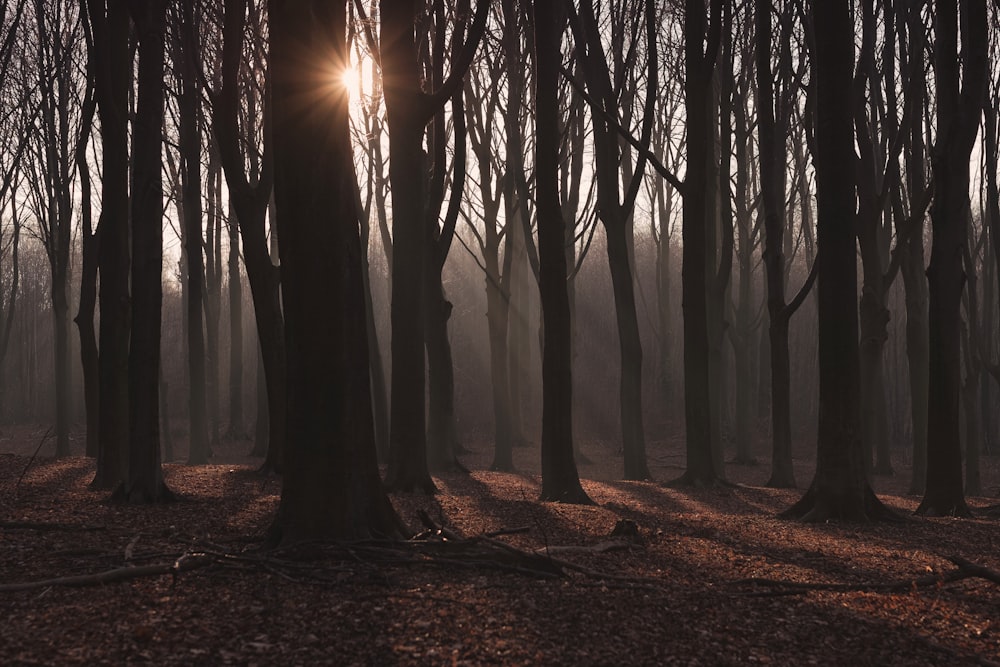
499,332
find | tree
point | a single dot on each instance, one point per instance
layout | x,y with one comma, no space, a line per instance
442,436
614,210
958,112
144,480
773,118
89,356
331,487
16,121
700,64
109,21
249,198
408,110
560,481
483,92
912,48
186,55
58,81
840,488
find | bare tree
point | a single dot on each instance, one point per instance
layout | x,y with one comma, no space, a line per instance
560,481
960,86
144,480
840,488
408,110
59,83
109,21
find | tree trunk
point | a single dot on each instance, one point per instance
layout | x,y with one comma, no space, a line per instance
957,124
186,53
144,481
331,487
88,264
840,487
110,26
560,481
701,469
408,110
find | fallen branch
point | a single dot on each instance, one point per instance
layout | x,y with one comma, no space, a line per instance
185,563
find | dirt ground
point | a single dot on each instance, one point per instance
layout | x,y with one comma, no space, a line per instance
713,577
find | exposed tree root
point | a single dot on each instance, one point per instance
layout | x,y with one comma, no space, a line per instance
964,570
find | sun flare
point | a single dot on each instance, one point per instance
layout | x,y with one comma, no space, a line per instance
349,78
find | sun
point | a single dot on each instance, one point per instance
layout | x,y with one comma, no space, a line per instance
349,77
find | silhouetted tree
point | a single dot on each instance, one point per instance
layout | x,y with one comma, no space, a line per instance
959,86
701,47
144,480
840,488
186,54
249,198
331,486
109,21
560,481
773,120
57,80
408,110
614,210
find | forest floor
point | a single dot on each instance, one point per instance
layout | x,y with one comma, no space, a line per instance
713,578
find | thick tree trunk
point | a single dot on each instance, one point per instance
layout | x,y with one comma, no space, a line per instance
917,354
331,487
407,470
111,27
380,398
560,481
840,487
496,314
144,482
957,122
442,437
701,468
